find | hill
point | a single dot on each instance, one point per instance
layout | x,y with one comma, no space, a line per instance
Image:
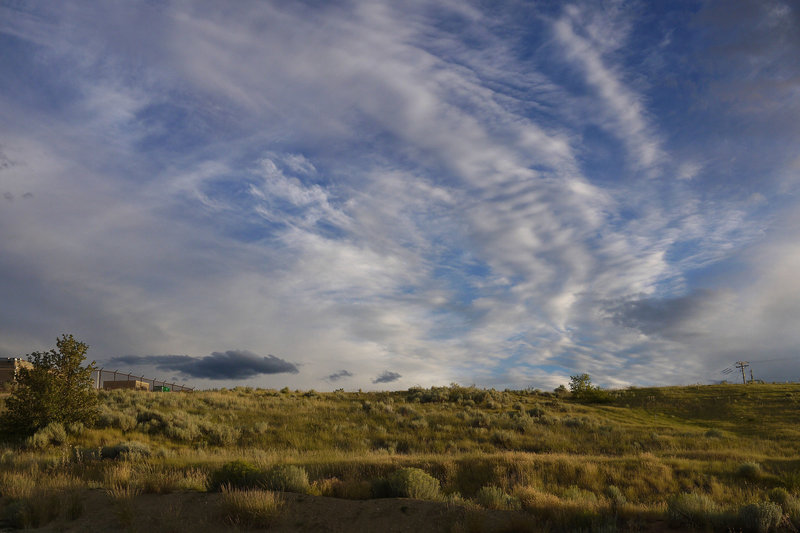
721,456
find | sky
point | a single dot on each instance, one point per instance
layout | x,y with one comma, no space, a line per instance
380,195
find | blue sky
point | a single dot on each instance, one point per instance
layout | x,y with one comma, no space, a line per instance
379,194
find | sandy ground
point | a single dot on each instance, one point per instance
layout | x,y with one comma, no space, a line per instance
198,512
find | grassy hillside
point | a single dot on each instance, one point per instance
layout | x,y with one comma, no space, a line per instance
696,455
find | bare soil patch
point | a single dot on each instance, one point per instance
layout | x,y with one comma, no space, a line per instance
199,512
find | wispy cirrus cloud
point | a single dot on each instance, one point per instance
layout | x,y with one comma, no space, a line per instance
625,113
497,196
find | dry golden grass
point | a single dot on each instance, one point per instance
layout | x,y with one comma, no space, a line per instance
556,456
249,507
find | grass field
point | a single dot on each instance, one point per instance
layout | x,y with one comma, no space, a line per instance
721,457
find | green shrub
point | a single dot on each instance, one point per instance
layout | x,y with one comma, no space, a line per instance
218,434
53,433
692,509
151,421
287,478
56,388
581,389
414,483
761,517
615,496
503,438
492,497
108,418
788,503
578,423
782,497
236,475
714,434
585,498
126,449
751,471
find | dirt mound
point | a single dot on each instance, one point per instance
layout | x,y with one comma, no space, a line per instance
199,512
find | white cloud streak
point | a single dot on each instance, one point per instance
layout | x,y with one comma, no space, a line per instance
350,192
626,116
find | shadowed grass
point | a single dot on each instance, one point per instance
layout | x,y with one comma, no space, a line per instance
730,446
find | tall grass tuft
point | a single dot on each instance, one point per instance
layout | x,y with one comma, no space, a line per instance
17,485
122,498
249,507
35,510
791,480
122,491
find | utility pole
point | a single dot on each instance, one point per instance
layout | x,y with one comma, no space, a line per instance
742,365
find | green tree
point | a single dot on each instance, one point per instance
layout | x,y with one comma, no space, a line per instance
582,389
580,384
57,389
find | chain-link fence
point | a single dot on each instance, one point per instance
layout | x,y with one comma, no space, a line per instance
115,379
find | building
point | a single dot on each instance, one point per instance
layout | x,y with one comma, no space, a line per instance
9,366
126,385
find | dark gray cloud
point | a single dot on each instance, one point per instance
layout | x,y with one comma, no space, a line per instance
8,196
664,317
336,376
5,162
387,377
233,364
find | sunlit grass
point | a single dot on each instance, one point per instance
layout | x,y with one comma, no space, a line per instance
552,457
249,507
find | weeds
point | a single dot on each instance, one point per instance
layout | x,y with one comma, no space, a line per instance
594,464
17,485
122,492
33,511
248,507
